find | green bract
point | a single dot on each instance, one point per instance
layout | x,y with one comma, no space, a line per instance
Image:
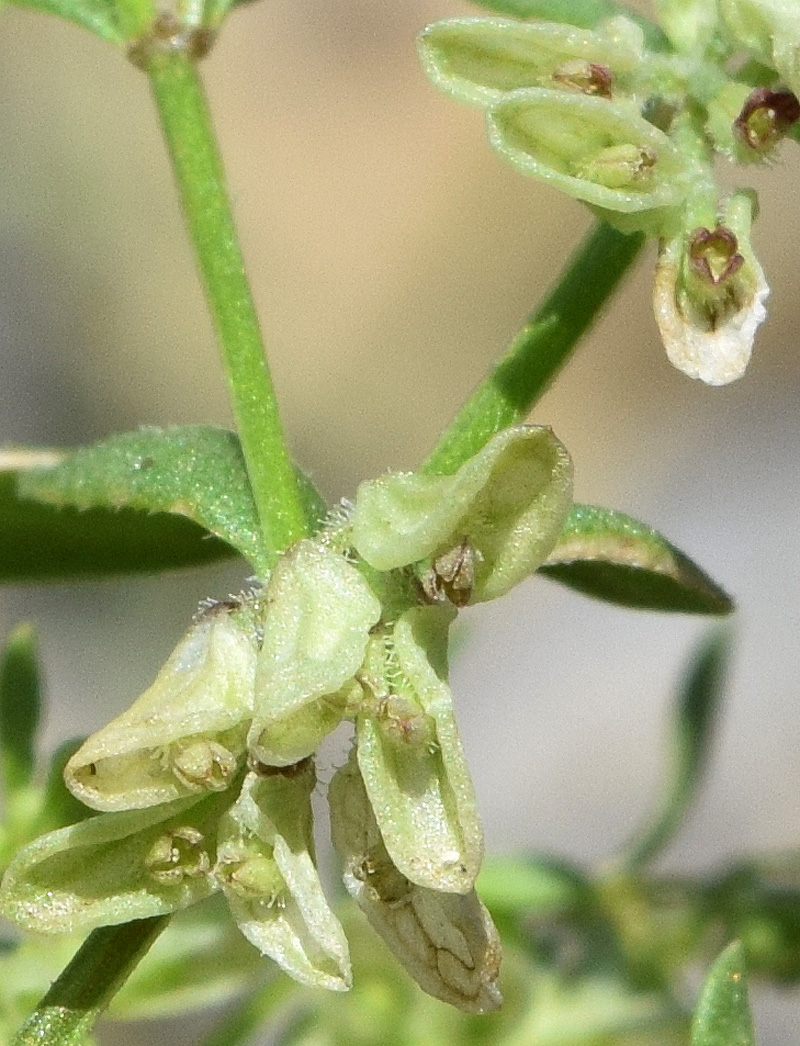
769,30
478,60
446,941
508,502
599,151
115,867
319,610
186,733
265,864
411,759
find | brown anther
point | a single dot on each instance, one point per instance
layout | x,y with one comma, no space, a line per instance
451,577
766,117
714,255
586,77
169,36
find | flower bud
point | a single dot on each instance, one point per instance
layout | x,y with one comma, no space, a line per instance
504,507
266,869
114,867
411,759
598,151
709,296
446,941
479,60
319,611
185,734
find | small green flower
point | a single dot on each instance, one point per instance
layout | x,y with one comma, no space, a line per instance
266,867
319,611
411,759
186,734
479,60
509,502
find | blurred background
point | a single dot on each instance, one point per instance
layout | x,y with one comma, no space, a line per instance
392,257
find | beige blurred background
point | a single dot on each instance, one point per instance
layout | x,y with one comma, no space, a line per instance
392,257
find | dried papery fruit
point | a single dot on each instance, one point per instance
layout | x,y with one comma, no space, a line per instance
319,611
185,735
709,297
266,868
446,941
507,505
411,758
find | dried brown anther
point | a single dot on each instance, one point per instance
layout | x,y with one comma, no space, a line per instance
766,117
714,254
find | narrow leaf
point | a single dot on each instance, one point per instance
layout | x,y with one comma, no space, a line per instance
40,543
723,1016
690,740
611,556
197,473
19,709
98,16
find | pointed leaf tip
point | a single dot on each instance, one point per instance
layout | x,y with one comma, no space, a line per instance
616,558
723,1016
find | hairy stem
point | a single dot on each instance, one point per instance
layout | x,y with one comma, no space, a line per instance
86,986
541,348
186,123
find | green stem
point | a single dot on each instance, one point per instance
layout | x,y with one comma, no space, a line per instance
66,1014
541,348
186,123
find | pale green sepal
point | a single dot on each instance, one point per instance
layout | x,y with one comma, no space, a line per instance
446,941
479,60
113,868
266,868
599,151
412,762
319,610
509,501
186,733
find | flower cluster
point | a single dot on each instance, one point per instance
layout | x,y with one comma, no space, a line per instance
205,783
629,118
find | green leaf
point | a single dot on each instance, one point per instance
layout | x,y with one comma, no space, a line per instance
196,475
19,709
59,806
723,1016
611,556
690,739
